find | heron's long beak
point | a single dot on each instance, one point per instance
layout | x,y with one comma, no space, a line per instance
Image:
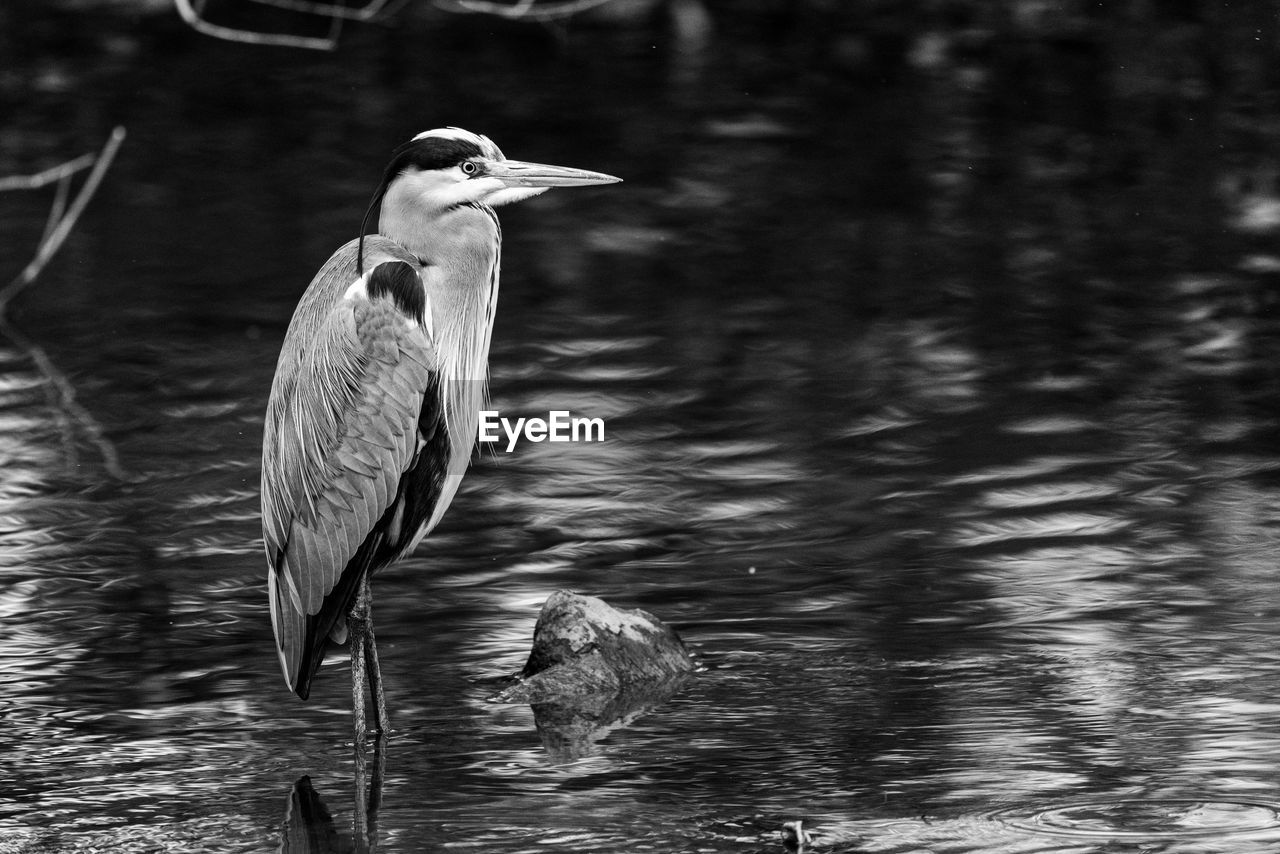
517,173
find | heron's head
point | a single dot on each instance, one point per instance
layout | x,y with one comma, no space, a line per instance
442,169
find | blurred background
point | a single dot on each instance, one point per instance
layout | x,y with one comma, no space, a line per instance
936,344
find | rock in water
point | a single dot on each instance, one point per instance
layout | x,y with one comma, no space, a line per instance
795,837
586,652
594,669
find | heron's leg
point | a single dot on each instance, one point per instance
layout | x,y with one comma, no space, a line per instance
368,798
358,628
364,668
375,679
364,665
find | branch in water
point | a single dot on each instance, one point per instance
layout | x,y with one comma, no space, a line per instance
55,236
48,176
62,218
337,12
199,24
527,10
64,401
329,10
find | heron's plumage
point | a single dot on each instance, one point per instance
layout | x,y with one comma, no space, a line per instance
344,427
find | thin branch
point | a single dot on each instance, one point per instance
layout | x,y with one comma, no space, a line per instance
62,218
363,13
48,176
335,28
520,9
523,9
57,209
200,25
55,239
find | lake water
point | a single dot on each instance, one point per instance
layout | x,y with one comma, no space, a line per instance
938,366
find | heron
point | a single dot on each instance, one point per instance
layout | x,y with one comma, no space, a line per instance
373,412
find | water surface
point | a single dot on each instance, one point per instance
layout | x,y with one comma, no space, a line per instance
938,383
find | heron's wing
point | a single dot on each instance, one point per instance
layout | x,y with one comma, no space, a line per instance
343,426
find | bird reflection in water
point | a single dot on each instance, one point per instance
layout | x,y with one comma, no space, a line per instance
309,827
568,731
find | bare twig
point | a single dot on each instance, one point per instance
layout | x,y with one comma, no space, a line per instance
57,209
330,10
48,176
62,218
199,24
337,12
528,10
53,241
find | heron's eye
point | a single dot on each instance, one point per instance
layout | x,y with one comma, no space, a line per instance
469,167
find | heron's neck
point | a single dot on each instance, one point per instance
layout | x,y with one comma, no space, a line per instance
459,249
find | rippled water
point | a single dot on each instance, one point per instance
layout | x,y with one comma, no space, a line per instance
942,429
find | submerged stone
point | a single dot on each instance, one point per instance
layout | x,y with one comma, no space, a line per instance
593,669
585,651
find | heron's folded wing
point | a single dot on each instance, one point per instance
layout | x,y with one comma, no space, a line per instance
337,443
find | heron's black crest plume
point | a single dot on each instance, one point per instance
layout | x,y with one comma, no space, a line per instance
398,280
364,228
422,153
431,152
